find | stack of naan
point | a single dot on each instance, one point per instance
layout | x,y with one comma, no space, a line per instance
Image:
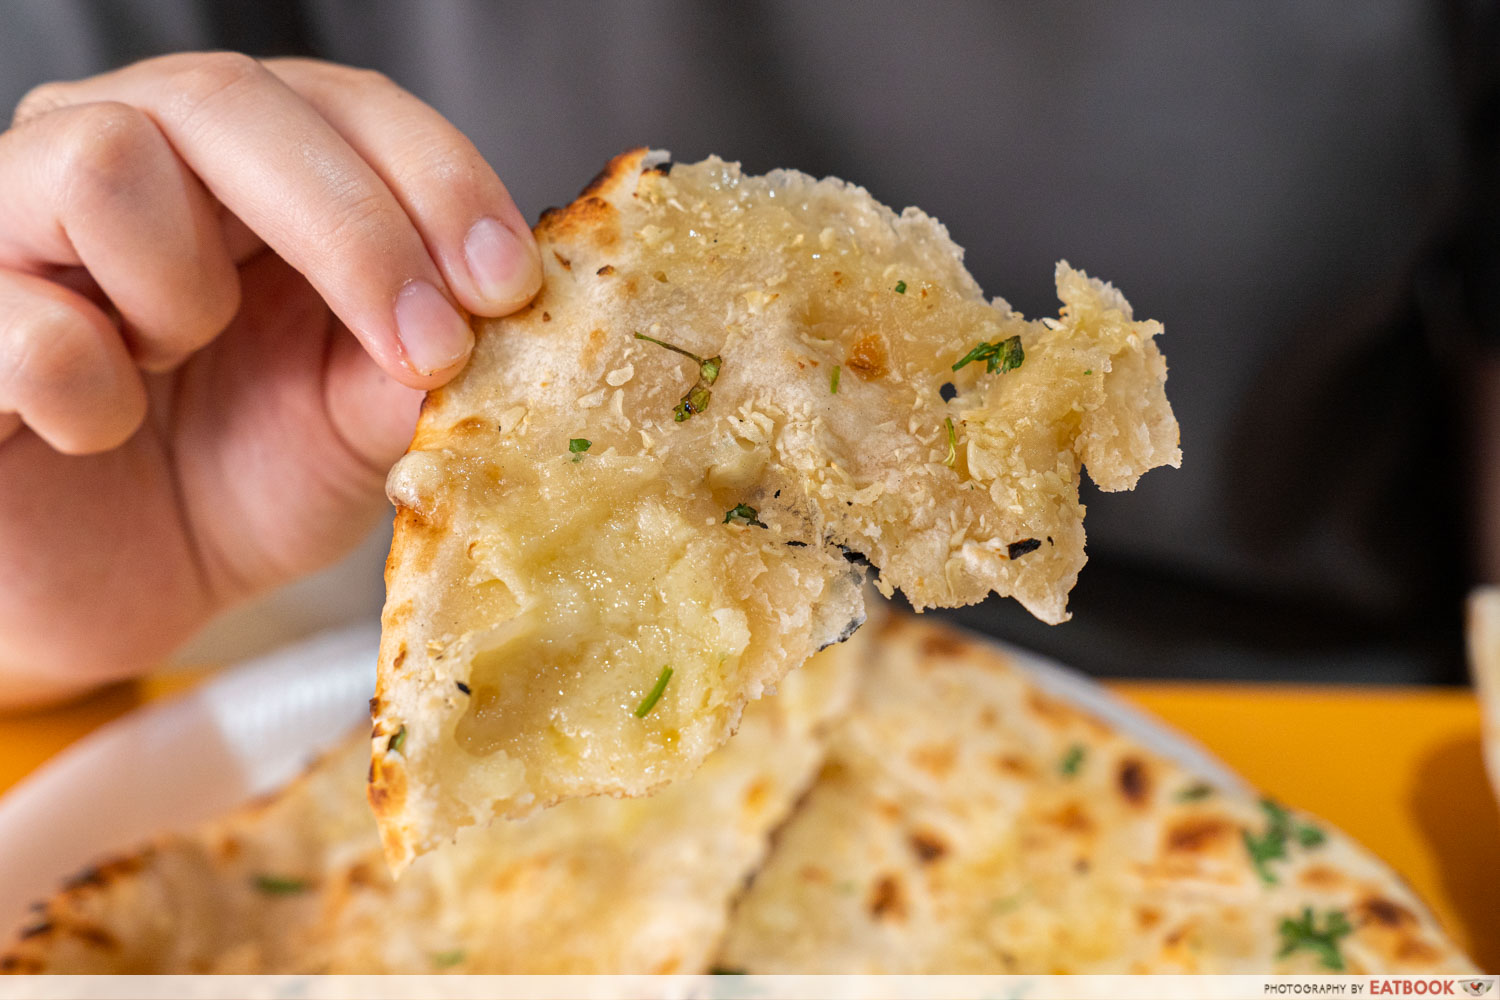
910,801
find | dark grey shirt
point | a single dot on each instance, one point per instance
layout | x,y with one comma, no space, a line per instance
1298,191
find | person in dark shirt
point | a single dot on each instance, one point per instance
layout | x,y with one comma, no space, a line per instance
203,261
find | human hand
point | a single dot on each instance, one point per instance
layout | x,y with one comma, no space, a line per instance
224,285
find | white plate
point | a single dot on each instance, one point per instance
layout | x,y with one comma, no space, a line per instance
174,764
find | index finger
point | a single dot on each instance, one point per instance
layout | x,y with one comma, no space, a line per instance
274,162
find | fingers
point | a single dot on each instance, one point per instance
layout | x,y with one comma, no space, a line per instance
274,162
97,185
64,371
467,219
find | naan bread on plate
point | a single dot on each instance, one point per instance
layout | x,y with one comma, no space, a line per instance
630,514
1484,665
299,883
966,822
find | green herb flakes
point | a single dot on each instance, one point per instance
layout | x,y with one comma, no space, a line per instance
578,446
1310,836
398,741
900,288
1304,935
1263,849
654,695
952,443
1195,792
696,399
1072,760
833,380
1002,357
744,514
1271,845
281,885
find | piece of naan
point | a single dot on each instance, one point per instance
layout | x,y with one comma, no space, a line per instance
630,514
299,883
967,822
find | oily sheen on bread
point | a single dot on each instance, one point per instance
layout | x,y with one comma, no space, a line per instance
967,822
299,883
629,516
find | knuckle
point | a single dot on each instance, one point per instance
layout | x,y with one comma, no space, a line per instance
451,166
51,355
38,101
201,80
107,137
368,79
108,148
63,386
204,317
359,222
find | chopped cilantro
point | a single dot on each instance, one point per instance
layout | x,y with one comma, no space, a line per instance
1263,849
998,357
448,959
1272,844
1088,371
578,446
744,514
1196,791
833,380
952,443
1072,760
900,288
1309,836
1303,935
654,695
696,399
398,741
280,885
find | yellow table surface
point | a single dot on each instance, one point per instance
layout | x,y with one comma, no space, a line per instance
1399,769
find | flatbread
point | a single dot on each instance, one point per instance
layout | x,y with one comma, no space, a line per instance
1484,666
951,818
966,822
299,884
610,584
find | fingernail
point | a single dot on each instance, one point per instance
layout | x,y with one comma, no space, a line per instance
433,334
503,267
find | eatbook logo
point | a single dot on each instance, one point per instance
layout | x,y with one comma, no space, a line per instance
1477,987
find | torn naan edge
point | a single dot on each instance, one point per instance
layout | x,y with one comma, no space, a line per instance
967,822
298,884
629,514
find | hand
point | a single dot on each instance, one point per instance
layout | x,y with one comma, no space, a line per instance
223,285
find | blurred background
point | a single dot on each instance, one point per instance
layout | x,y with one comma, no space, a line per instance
1305,194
